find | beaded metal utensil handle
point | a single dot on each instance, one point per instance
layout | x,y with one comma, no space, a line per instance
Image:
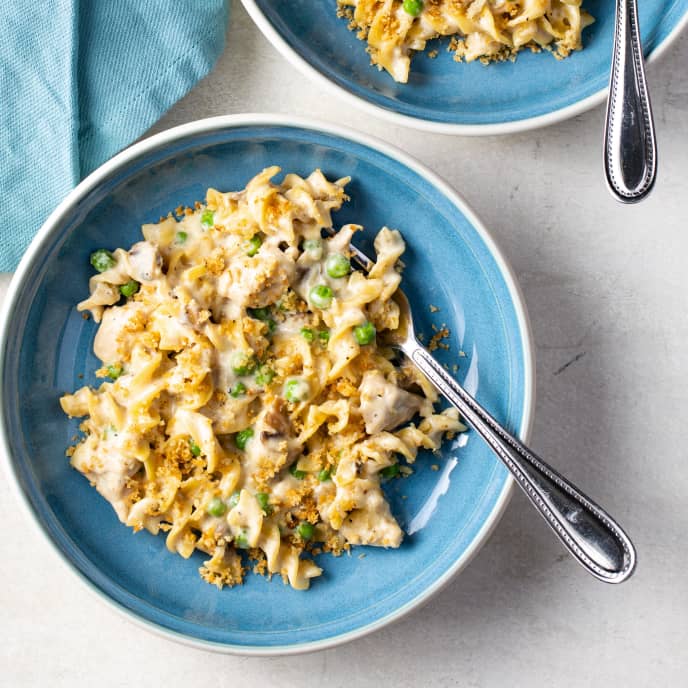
630,148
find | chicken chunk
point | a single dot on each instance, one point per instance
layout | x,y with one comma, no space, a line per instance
385,406
258,283
145,262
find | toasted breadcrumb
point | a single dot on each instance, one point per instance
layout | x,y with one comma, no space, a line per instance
261,563
436,341
231,575
336,545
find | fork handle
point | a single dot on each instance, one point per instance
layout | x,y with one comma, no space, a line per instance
630,147
594,539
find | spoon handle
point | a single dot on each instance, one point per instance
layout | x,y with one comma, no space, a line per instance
630,148
587,531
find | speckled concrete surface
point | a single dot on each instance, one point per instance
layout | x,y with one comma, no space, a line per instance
606,289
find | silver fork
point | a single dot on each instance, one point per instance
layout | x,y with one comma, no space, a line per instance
630,147
590,534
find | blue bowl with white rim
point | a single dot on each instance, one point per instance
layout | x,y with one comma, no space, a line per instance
448,507
469,99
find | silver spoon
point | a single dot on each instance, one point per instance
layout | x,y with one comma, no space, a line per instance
589,533
630,148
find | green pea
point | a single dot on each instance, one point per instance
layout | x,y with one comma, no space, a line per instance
242,437
365,334
265,376
114,371
238,390
234,499
252,245
338,265
216,507
307,334
181,237
259,313
305,530
325,474
314,247
413,7
103,260
312,244
243,363
208,218
130,288
264,501
390,471
240,541
195,449
321,296
296,390
324,337
299,475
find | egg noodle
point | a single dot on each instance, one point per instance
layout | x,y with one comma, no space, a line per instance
482,29
250,408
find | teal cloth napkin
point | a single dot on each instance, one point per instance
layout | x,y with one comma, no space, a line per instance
79,80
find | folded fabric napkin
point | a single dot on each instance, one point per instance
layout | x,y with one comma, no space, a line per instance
79,80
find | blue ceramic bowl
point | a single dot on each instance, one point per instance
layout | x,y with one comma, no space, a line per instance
447,97
46,350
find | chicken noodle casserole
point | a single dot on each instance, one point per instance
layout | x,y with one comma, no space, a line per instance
248,403
482,29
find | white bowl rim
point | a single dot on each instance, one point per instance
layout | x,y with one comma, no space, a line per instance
499,128
278,120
